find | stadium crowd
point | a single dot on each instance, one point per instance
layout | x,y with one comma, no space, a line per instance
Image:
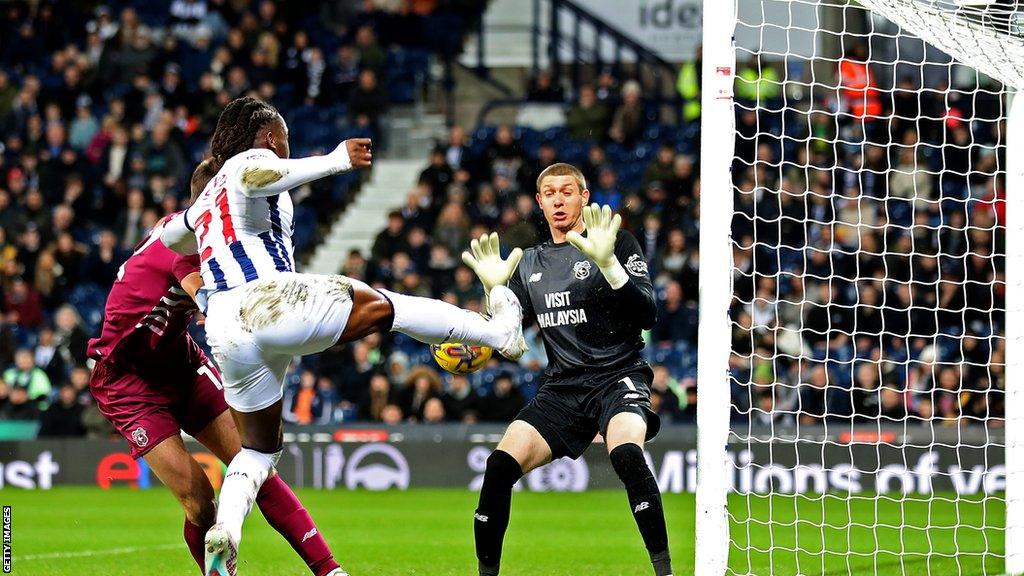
105,108
844,226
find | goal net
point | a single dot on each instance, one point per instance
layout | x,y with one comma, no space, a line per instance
862,263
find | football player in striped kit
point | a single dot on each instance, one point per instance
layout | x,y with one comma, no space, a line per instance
261,313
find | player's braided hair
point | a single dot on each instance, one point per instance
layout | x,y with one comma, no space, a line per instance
238,125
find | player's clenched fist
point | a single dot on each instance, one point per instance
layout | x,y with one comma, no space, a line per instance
484,258
359,152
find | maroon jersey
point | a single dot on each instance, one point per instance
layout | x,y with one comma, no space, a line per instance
147,312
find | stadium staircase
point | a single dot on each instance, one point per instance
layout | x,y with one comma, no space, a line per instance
359,224
506,38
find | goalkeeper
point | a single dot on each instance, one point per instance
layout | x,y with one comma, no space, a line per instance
589,291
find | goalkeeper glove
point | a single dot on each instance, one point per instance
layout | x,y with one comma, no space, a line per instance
599,243
484,258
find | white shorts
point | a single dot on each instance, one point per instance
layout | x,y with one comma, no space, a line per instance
255,330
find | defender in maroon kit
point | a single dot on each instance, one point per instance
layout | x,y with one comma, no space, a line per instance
151,380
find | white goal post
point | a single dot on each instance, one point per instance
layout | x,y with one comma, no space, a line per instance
861,288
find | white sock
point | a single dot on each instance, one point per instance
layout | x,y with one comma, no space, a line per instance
435,322
246,473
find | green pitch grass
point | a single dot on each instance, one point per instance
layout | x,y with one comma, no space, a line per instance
78,531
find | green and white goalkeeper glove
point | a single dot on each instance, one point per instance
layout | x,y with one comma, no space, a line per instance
484,258
599,243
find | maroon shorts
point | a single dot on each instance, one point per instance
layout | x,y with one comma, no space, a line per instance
148,409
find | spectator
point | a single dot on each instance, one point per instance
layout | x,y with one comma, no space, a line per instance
304,401
544,89
421,385
22,305
457,153
433,411
63,419
677,322
461,402
392,414
85,126
893,408
437,176
390,240
520,232
465,288
663,168
588,118
102,264
367,103
452,228
26,375
673,401
19,406
371,57
628,120
504,402
812,396
343,74
530,171
378,399
47,358
606,189
79,380
505,154
69,337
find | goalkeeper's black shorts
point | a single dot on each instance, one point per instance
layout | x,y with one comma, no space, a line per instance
570,412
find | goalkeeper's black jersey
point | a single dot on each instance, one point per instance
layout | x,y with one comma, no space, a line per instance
586,326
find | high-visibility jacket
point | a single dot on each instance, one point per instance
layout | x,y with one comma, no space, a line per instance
758,88
688,85
858,90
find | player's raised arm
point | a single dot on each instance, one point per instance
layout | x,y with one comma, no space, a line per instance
178,234
261,173
602,245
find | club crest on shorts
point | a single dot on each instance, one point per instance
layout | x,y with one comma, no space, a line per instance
581,269
636,265
139,437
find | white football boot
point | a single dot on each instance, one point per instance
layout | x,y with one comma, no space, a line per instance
509,313
221,552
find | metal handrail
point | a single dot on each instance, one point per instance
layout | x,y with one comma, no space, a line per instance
658,67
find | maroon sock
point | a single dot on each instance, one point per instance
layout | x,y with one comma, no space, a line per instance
284,512
195,538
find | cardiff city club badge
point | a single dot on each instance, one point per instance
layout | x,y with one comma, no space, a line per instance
140,437
581,269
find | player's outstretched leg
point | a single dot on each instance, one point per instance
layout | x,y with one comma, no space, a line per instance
645,502
435,322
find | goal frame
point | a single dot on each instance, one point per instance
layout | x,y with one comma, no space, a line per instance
715,285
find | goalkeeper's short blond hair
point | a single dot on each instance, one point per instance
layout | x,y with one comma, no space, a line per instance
563,169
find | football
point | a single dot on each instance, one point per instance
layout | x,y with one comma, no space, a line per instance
460,358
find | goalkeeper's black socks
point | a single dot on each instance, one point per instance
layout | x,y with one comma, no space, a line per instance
491,518
645,502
